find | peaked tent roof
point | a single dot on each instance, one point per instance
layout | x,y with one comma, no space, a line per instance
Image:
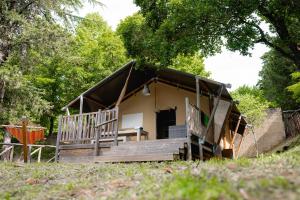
105,93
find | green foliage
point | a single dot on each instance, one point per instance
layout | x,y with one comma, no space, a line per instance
251,103
77,62
295,88
139,40
187,26
98,51
21,98
29,38
189,63
275,78
147,47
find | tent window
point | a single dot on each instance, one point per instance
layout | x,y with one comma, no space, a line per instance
134,120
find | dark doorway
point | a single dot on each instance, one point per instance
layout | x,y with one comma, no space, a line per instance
164,119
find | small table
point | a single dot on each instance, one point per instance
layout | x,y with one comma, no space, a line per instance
134,132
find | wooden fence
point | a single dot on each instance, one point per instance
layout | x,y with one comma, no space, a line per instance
8,153
291,122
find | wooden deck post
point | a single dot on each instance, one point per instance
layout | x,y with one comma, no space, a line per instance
199,117
98,130
80,118
24,132
58,138
116,125
188,134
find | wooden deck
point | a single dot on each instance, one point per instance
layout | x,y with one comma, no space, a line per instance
133,151
77,136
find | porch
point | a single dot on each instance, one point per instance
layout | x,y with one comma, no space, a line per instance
96,137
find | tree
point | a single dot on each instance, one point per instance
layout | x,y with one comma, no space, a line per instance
190,63
139,40
275,77
295,88
251,103
187,26
98,50
145,46
78,62
24,26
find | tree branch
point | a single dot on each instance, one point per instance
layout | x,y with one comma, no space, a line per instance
263,39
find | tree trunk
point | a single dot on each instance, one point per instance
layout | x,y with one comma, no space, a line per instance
7,139
51,125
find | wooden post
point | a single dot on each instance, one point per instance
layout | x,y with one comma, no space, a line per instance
200,149
116,124
58,138
188,134
238,149
24,132
11,153
40,154
200,140
197,92
80,118
68,111
29,154
138,135
81,104
235,132
99,119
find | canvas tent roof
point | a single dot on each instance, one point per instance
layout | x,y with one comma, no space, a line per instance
105,93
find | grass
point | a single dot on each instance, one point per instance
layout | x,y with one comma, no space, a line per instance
275,176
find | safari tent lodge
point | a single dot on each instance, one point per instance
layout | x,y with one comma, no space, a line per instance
141,113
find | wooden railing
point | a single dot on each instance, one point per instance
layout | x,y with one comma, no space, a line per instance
88,129
78,128
8,153
193,127
85,128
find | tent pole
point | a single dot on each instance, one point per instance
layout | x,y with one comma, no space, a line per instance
197,92
68,111
81,104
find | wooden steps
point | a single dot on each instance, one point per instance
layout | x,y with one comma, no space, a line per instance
122,158
168,146
147,150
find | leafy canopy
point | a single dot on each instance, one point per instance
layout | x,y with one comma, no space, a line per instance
189,63
78,62
187,26
275,78
28,30
145,46
251,103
